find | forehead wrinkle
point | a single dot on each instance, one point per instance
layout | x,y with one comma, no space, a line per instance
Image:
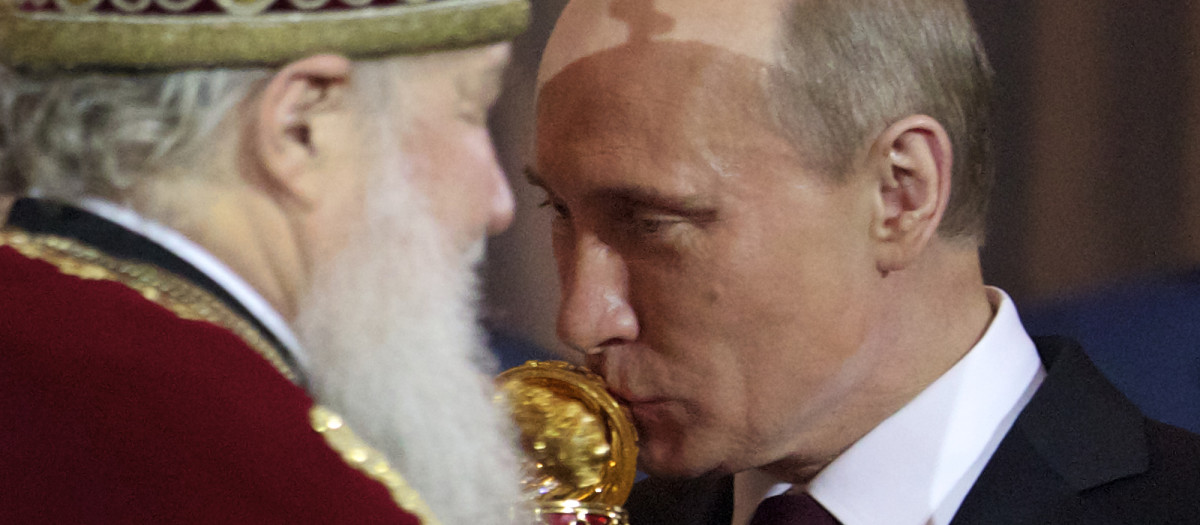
670,102
684,83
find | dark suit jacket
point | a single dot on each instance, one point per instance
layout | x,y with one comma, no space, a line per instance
1143,335
1080,452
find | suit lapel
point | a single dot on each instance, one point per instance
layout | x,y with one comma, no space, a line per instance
1077,432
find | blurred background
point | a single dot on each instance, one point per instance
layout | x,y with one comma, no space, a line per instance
1097,135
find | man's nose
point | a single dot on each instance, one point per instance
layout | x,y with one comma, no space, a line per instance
595,310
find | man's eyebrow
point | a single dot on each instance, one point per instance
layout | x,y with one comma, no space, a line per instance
629,197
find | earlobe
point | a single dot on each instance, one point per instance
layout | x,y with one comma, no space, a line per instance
287,113
913,162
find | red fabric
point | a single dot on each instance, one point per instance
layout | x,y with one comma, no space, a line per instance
116,411
792,509
571,519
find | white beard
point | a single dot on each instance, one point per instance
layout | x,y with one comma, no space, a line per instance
394,347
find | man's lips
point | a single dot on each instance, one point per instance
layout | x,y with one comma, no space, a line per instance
646,412
621,396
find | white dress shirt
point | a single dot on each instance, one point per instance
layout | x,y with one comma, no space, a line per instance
206,263
916,466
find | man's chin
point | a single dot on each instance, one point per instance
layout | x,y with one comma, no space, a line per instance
675,461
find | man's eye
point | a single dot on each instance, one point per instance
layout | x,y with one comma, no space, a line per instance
653,224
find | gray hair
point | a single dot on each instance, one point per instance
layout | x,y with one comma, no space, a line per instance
68,135
850,68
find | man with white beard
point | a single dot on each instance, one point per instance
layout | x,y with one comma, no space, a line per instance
239,286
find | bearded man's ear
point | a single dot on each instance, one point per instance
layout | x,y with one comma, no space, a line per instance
288,122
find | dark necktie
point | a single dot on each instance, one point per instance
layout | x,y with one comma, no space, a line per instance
792,509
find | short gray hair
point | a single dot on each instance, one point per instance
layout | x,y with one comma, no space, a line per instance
850,68
68,135
74,134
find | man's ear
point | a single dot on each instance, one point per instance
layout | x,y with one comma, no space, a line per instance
912,161
290,108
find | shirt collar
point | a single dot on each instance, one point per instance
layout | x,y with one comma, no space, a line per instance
916,466
204,262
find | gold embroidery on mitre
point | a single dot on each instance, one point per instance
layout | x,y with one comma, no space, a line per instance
165,289
190,302
358,454
172,34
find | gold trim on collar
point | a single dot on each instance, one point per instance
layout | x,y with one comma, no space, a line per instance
356,453
163,288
